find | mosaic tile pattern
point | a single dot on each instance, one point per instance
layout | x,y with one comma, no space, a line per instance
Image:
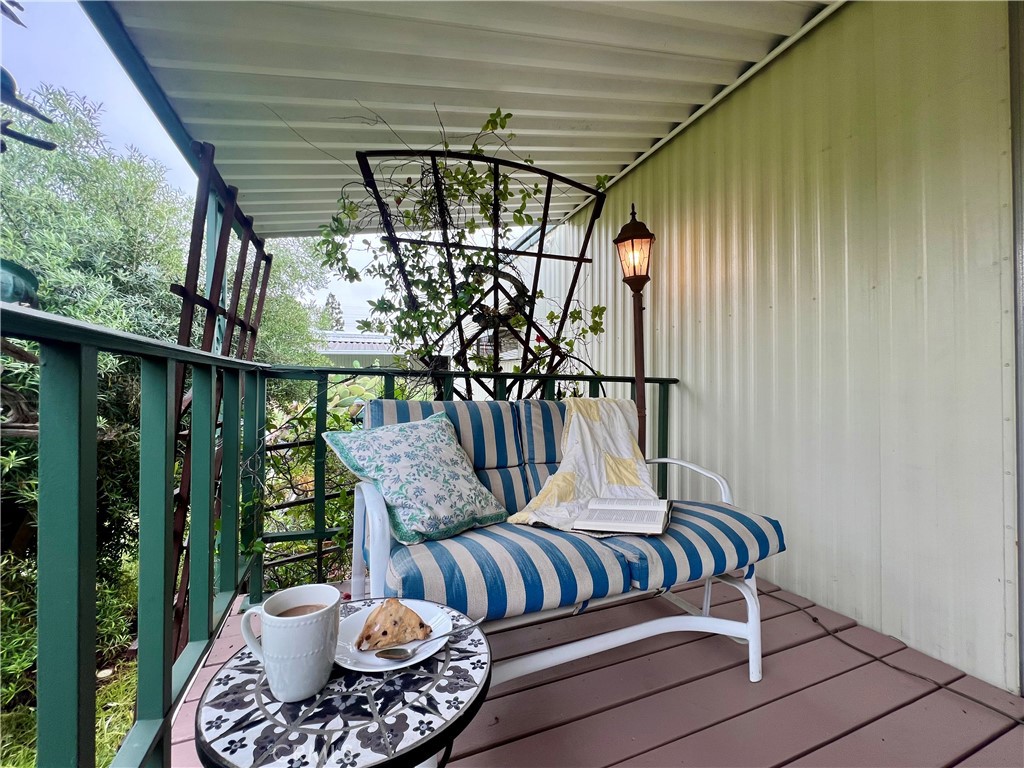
359,719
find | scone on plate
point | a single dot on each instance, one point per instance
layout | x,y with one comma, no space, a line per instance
392,623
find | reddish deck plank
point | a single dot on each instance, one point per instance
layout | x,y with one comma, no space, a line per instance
510,717
940,729
1002,700
684,699
624,617
534,637
795,724
871,642
1005,752
621,733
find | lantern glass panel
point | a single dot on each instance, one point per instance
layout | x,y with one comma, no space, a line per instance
635,257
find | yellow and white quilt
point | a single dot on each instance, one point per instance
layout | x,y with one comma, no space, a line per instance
600,459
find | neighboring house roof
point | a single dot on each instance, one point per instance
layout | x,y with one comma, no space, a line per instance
342,343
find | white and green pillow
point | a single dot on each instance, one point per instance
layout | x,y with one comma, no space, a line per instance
424,476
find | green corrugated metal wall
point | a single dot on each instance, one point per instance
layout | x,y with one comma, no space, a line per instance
833,285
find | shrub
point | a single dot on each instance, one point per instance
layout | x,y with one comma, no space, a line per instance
116,604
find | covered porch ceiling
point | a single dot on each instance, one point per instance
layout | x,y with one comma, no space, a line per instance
288,92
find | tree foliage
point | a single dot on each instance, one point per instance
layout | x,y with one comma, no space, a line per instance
106,235
333,318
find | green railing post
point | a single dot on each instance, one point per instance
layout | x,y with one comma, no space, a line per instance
500,388
229,484
447,386
200,532
250,447
549,389
389,386
156,582
66,663
664,392
320,473
595,388
253,481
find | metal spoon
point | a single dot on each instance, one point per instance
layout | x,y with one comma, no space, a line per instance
401,654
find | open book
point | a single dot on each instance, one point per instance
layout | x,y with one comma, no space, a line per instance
644,516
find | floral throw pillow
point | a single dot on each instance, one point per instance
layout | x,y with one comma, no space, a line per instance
424,476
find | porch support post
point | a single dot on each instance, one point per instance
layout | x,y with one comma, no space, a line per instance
66,698
638,362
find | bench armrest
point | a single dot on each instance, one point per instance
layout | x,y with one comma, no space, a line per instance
370,524
723,484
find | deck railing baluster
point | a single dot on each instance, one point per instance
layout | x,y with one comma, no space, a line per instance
259,469
156,584
664,393
229,482
66,676
200,532
320,473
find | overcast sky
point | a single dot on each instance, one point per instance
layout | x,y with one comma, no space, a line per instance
61,47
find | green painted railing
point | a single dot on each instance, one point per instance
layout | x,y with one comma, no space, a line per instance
66,597
220,563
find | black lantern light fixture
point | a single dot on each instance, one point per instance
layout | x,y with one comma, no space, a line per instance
634,244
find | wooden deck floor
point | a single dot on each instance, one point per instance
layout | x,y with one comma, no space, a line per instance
684,699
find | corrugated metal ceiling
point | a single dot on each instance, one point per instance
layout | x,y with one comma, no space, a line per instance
288,92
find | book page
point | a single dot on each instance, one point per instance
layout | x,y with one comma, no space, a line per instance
623,515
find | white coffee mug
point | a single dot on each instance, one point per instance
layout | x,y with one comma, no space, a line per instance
297,648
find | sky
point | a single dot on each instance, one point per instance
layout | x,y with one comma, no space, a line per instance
61,47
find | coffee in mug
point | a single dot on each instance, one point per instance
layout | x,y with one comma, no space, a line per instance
301,610
300,638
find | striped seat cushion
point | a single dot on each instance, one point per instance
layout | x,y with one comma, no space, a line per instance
702,540
487,431
507,570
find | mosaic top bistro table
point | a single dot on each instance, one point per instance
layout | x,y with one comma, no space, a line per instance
396,717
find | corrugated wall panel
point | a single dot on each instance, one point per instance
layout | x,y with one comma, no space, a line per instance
833,286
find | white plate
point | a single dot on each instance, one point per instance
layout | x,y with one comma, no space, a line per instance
350,657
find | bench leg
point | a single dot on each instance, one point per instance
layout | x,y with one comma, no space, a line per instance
706,607
747,587
358,536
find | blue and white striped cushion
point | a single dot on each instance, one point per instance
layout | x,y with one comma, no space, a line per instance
508,484
541,423
702,540
487,431
507,570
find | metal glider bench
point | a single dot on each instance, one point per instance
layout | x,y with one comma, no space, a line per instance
513,574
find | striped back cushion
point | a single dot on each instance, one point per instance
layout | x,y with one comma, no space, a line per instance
486,430
508,484
541,424
537,475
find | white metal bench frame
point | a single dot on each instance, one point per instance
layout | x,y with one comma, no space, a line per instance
371,524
